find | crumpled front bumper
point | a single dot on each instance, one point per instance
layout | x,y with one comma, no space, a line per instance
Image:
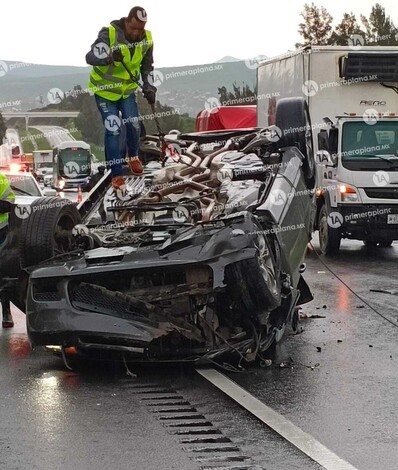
55,318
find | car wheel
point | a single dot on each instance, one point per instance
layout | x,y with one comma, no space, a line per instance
293,118
48,230
255,284
329,237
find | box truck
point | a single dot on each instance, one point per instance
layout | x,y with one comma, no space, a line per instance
352,110
42,164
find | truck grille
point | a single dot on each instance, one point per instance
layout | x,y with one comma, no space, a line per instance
382,193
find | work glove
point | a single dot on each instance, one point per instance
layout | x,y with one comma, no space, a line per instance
149,92
117,55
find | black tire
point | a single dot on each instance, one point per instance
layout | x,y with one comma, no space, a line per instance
329,237
293,118
255,284
48,230
385,243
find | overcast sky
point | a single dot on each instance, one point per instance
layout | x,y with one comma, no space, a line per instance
185,32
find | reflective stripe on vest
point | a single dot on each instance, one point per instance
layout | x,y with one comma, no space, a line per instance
113,81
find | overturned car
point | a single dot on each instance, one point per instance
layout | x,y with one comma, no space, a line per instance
203,260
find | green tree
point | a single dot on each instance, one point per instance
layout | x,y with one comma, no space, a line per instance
344,30
89,120
3,128
241,95
169,118
317,25
379,28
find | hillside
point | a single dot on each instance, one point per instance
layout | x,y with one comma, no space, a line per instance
185,88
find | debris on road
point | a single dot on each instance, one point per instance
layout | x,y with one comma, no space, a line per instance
266,363
304,316
381,291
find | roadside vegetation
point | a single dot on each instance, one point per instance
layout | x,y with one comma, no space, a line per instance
316,28
33,140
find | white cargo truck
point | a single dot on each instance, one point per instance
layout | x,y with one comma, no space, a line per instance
352,106
42,164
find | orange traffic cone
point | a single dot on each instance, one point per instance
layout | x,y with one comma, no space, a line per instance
79,194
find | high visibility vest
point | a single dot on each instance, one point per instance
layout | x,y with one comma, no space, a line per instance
112,81
5,194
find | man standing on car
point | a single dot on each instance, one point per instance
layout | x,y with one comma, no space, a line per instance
122,49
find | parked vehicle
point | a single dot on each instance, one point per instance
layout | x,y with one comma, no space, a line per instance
352,105
72,162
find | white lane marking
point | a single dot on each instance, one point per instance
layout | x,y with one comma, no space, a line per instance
300,439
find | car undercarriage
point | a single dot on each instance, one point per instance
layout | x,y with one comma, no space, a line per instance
201,260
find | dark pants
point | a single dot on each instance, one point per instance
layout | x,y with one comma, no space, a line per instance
110,113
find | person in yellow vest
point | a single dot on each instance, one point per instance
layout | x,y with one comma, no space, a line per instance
6,194
124,44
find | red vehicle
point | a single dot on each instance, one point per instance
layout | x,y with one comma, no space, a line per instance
226,117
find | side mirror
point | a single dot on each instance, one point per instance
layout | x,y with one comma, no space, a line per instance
333,140
323,140
323,157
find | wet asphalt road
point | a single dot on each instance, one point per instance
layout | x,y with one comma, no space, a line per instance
344,395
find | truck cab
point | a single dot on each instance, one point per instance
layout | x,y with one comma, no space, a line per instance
357,174
352,100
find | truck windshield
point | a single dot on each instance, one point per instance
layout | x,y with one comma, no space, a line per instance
368,147
74,163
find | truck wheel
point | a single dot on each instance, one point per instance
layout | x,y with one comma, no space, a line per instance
329,237
293,118
48,230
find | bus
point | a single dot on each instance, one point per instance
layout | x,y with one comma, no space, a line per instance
72,162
